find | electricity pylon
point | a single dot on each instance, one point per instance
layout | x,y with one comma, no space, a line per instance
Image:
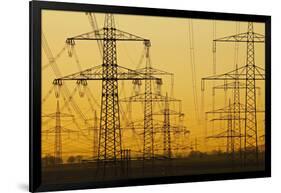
58,130
232,136
167,130
167,112
249,73
109,73
148,97
95,135
234,118
233,86
164,128
155,98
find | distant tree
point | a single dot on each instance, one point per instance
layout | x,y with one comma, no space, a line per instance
49,160
78,158
196,154
71,159
216,152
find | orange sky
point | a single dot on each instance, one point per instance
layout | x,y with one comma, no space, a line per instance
170,51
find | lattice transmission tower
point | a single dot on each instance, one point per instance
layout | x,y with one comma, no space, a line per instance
233,137
58,130
249,73
109,73
148,98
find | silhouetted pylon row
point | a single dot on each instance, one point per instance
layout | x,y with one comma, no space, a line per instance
249,73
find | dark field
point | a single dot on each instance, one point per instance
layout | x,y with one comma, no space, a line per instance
134,169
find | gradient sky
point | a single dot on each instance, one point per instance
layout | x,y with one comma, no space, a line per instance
171,40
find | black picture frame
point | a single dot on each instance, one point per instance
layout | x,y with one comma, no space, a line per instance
35,92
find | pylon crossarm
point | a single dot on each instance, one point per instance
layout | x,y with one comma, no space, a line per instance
153,71
154,98
230,109
226,109
225,134
132,127
237,74
181,129
135,122
96,73
63,130
232,75
157,125
101,35
124,73
241,111
138,125
242,37
232,85
260,72
227,118
125,36
54,115
171,112
50,130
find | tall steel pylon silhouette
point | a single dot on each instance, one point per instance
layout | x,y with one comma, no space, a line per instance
110,134
249,73
167,129
148,137
58,130
95,135
234,120
164,127
236,112
232,136
109,73
148,98
58,144
251,131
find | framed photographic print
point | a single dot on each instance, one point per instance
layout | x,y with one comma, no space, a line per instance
123,96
